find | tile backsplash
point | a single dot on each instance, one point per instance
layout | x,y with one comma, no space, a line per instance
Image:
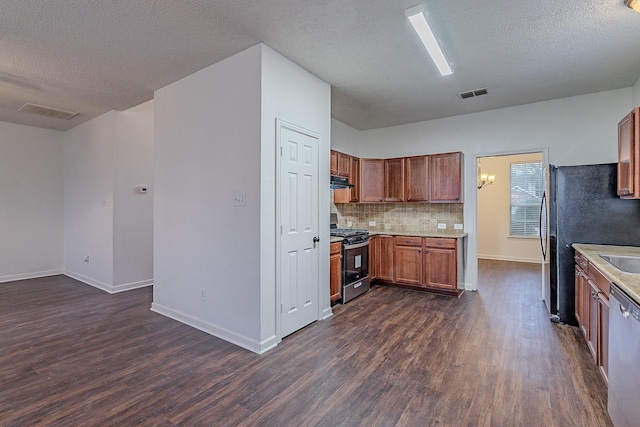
401,217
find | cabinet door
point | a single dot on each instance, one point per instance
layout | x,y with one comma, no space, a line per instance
385,258
627,156
335,271
440,268
374,250
408,260
579,310
592,330
354,178
334,162
417,178
603,336
371,180
344,163
394,180
445,178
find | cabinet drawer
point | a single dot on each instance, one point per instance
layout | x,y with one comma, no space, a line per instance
582,262
335,248
598,279
407,241
440,242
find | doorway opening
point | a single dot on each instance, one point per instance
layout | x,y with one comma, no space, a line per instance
508,209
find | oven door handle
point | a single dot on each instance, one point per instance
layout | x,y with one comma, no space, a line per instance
356,246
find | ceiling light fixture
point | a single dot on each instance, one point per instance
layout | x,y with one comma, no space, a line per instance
633,4
418,19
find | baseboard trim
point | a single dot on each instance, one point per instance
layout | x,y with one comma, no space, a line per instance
247,343
512,259
111,289
33,275
327,313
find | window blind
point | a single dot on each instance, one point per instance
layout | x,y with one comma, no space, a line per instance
527,186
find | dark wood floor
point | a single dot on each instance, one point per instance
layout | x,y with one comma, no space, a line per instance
72,355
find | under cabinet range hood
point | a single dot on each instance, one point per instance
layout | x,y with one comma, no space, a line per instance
339,182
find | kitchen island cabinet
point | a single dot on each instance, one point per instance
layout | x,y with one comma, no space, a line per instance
335,271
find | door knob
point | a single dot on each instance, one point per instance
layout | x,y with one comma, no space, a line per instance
316,239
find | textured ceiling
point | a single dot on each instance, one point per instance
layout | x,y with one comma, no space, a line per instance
92,56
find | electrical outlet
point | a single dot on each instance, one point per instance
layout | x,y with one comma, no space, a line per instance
458,227
240,199
372,223
349,224
203,294
87,259
442,226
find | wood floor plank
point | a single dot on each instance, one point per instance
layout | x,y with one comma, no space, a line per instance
73,355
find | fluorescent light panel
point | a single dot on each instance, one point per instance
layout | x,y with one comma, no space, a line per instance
417,18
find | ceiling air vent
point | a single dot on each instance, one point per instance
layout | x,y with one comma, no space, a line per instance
48,111
473,93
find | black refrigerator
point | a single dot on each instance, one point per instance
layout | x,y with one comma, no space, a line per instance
583,208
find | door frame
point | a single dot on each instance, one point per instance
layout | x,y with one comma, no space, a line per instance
545,162
280,124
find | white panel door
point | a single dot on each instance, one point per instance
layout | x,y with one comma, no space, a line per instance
299,254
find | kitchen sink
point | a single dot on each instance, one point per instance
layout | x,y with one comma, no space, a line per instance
628,264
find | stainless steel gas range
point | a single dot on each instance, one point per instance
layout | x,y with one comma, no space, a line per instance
355,260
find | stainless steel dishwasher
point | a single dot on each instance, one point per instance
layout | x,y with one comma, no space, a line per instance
624,359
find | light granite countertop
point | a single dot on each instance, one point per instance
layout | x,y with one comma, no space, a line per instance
628,282
335,239
451,234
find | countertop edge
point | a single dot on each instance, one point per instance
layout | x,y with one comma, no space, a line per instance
628,282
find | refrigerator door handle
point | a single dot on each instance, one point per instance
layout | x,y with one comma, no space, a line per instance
542,232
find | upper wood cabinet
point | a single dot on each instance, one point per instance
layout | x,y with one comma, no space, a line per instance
371,180
354,178
394,180
445,178
416,178
340,163
629,155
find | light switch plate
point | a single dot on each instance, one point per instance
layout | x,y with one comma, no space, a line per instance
442,226
458,227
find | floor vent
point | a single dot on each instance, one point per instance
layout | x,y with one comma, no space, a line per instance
473,93
48,111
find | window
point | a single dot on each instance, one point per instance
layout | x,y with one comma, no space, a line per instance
527,185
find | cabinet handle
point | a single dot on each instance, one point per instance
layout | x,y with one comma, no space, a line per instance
426,250
419,250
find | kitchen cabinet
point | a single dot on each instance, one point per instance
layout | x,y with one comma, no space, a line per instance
433,264
371,180
408,260
629,155
445,178
385,264
340,163
441,264
335,270
592,292
354,178
374,250
394,180
417,179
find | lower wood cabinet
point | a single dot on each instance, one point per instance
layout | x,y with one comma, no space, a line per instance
433,264
592,310
335,270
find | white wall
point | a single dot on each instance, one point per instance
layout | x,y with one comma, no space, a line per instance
207,148
31,213
493,214
292,94
88,201
636,94
576,130
133,212
105,160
